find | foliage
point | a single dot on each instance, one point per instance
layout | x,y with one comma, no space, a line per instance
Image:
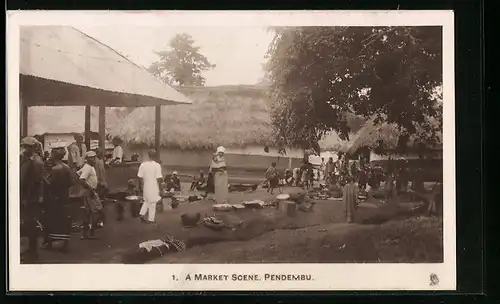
182,64
322,77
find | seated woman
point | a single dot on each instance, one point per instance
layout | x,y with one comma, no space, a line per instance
172,183
288,177
176,181
198,181
209,185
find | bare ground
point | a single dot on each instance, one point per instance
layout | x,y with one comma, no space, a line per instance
268,235
414,240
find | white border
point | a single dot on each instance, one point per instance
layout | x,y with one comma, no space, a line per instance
157,277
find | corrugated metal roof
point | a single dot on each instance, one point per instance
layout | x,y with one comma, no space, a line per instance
61,66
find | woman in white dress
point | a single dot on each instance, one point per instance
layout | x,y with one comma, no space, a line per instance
218,167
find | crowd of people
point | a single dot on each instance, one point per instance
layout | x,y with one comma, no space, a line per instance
340,172
48,185
351,177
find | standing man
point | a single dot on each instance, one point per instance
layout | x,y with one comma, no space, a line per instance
350,198
354,170
91,201
272,178
76,152
102,184
57,226
329,170
151,179
31,180
321,171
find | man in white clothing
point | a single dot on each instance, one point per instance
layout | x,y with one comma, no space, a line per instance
91,201
151,178
117,157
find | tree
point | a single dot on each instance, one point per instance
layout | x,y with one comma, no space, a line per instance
182,64
320,77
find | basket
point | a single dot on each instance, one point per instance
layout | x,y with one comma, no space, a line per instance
190,219
213,226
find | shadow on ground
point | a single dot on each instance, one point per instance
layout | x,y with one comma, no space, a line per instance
119,240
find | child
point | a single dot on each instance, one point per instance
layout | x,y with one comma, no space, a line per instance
132,190
310,175
350,198
272,178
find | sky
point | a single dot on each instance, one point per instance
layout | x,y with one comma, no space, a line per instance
237,52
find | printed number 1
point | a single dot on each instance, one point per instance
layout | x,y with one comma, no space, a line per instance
173,277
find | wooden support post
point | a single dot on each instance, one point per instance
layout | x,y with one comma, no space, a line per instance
157,131
24,120
102,129
87,127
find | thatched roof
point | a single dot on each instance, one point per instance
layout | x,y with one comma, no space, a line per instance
59,120
332,142
233,116
62,66
371,134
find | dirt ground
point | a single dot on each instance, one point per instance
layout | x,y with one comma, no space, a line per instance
267,235
415,240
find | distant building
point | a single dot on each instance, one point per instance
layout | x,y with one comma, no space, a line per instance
378,145
236,117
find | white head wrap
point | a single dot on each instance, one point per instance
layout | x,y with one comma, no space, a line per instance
90,154
221,149
57,144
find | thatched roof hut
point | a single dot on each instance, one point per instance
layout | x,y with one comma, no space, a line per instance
371,135
332,142
233,116
58,120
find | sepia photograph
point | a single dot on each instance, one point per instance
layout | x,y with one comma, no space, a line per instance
221,151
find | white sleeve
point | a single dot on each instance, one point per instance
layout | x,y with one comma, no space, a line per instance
158,171
84,172
119,153
140,173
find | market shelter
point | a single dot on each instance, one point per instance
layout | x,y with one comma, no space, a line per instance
62,66
58,124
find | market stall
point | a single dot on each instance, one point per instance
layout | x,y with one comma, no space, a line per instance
62,66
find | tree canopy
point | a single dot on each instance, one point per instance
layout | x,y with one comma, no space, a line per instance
322,77
182,63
